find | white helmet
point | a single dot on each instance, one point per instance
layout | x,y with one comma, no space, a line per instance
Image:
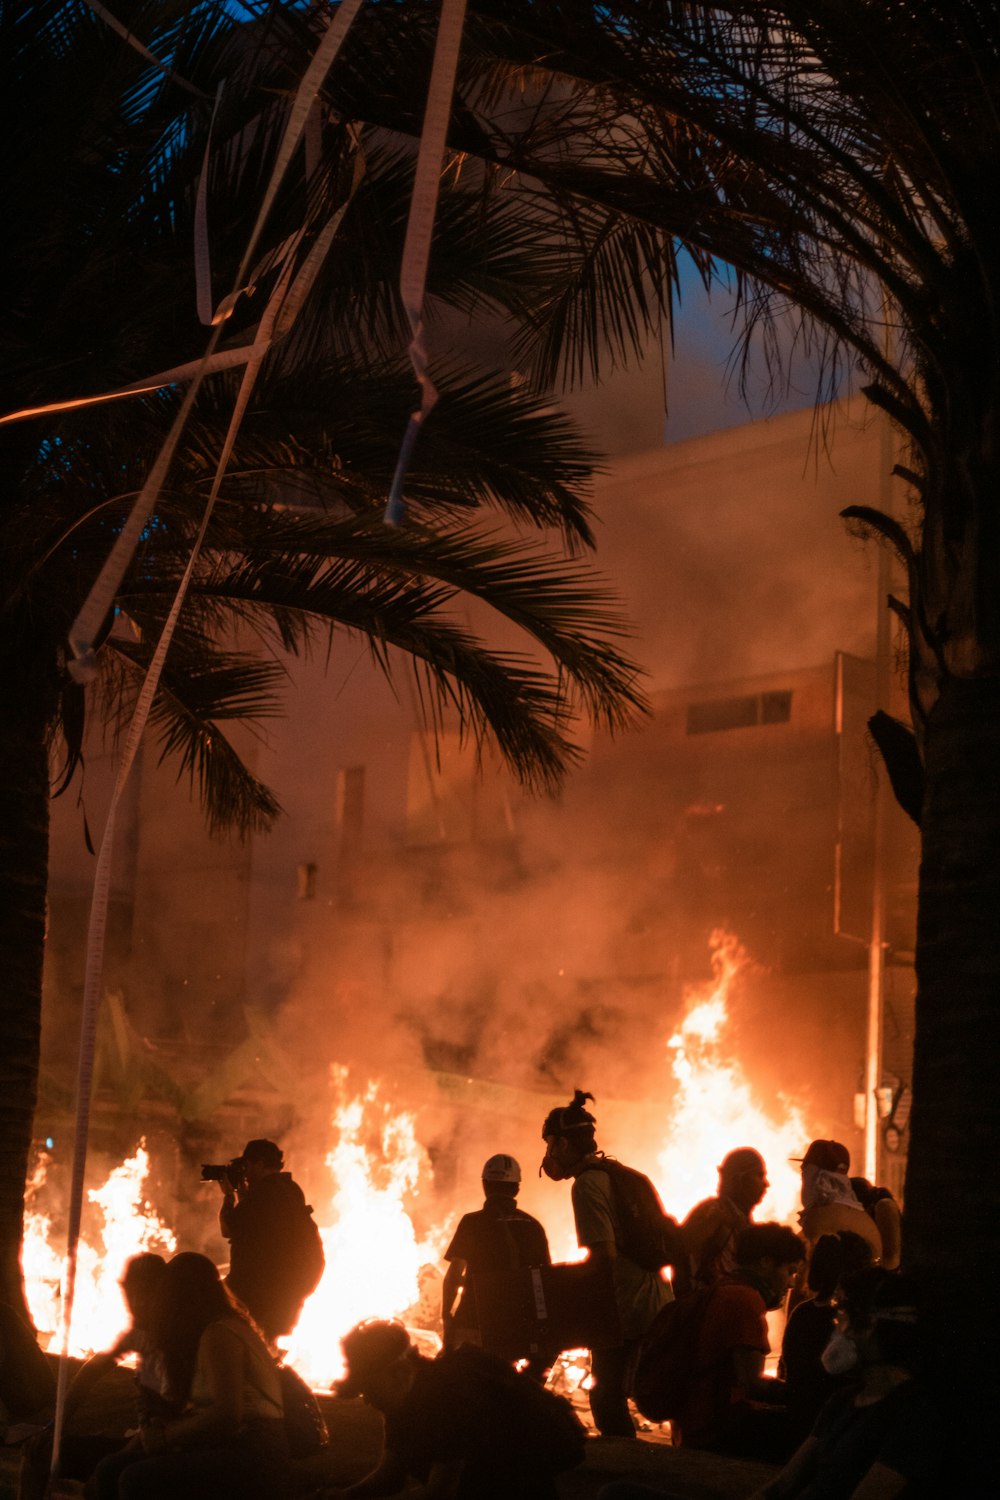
501,1169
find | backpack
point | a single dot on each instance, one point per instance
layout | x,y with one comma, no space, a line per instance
540,1431
666,1363
305,1427
649,1236
306,1257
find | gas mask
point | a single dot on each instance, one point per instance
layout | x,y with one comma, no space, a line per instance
552,1168
840,1355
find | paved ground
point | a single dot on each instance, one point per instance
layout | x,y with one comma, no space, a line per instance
355,1434
355,1440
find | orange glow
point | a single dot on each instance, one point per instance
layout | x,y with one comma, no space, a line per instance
715,1108
380,1184
128,1226
378,1172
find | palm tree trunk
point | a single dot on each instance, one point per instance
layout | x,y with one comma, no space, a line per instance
24,842
951,1233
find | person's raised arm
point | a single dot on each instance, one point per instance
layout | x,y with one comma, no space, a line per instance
226,1209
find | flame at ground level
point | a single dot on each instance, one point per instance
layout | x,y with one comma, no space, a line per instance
380,1184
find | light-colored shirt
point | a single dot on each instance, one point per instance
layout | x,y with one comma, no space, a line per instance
261,1381
639,1294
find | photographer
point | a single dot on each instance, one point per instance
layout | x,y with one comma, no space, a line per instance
276,1254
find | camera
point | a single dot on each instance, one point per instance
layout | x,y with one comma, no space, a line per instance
231,1172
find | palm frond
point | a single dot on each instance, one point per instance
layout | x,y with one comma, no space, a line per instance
200,689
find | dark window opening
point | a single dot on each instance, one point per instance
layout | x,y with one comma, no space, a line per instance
739,713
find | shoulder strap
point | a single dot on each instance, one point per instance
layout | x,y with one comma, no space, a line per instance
713,1246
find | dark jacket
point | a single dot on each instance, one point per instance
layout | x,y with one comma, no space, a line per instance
276,1256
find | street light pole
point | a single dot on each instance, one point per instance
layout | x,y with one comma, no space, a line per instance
877,944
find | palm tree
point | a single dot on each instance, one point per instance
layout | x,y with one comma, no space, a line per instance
840,155
103,153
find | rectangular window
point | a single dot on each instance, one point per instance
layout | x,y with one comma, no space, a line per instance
350,808
775,708
739,713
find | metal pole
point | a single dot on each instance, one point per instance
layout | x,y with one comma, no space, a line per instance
876,945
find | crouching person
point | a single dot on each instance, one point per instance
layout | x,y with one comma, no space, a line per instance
465,1426
730,1405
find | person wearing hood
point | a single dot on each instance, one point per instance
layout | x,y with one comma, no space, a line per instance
276,1254
829,1203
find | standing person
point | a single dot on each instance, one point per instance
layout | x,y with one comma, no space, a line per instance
881,1206
829,1204
711,1228
229,1442
497,1237
276,1254
571,1152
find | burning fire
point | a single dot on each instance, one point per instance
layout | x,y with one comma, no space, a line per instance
714,1108
380,1176
373,1255
128,1227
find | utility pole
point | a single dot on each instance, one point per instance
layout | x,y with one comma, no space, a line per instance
877,944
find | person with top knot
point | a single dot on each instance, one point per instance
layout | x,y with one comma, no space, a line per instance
571,1152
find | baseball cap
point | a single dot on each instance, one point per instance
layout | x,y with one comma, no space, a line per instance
829,1156
369,1348
501,1168
266,1151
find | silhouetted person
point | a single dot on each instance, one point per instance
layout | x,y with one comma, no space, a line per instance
571,1152
464,1425
730,1404
829,1204
276,1255
141,1283
808,1385
711,1228
882,1437
497,1237
229,1442
881,1206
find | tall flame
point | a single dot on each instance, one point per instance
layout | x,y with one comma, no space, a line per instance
373,1254
128,1226
714,1109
